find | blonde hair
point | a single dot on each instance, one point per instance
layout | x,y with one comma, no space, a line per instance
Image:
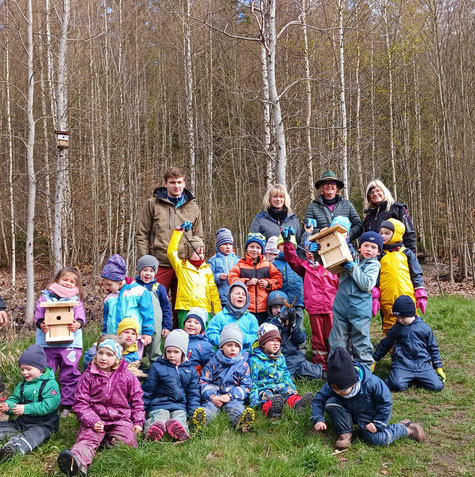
276,189
387,195
63,271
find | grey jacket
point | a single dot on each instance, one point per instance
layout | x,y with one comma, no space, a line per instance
265,224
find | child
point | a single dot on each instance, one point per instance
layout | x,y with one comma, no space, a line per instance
222,261
415,348
196,285
108,406
272,385
353,395
259,276
147,267
200,349
171,391
400,274
125,300
319,290
35,401
65,286
283,316
226,382
271,250
352,305
235,311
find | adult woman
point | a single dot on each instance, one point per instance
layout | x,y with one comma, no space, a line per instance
330,204
276,214
381,207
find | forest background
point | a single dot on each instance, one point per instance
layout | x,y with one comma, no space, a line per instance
239,94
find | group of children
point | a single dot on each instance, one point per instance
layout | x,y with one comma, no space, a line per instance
239,338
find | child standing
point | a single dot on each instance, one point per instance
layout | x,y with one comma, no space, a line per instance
222,261
35,401
108,406
353,395
65,286
271,251
259,276
272,385
416,357
226,382
352,305
171,391
196,285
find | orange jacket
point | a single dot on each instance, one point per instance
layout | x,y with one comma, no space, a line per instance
245,269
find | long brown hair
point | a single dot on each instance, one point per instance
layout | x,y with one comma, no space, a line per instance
58,275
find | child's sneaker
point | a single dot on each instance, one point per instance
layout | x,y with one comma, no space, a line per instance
156,431
276,407
414,431
343,441
65,411
7,452
246,420
70,465
176,430
304,402
199,418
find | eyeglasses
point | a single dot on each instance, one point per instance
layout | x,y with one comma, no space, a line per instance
374,191
329,183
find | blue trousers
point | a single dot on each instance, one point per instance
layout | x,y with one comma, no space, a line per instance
399,379
25,438
233,409
343,423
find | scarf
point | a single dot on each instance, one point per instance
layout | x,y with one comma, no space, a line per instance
196,263
277,214
356,389
63,292
236,312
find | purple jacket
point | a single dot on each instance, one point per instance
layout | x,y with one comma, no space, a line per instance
109,399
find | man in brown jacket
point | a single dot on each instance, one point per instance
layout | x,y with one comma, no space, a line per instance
169,207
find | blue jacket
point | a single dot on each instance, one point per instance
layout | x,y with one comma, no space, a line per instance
200,350
224,375
170,387
292,283
221,263
372,404
415,347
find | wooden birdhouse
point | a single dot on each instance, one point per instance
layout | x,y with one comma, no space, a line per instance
334,250
62,139
59,315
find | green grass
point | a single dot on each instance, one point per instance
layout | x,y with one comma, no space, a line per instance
288,447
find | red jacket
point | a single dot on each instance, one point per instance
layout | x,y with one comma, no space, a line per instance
245,269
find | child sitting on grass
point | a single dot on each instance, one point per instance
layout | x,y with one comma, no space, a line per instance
272,385
353,395
415,357
35,401
226,383
171,391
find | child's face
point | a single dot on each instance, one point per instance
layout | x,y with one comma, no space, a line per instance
275,310
174,355
129,336
198,256
237,297
254,250
280,247
272,346
226,248
405,320
192,326
271,257
105,359
29,372
147,274
369,250
386,234
68,280
111,286
231,349
341,392
309,256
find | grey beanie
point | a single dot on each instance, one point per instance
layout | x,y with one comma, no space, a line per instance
147,261
223,236
179,339
230,333
34,356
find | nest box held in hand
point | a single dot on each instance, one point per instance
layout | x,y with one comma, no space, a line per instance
334,250
58,316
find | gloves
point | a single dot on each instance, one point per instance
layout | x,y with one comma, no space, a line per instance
311,223
373,365
421,299
441,374
313,246
287,233
350,246
376,295
349,265
186,226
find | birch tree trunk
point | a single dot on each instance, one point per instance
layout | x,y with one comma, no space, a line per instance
358,126
270,156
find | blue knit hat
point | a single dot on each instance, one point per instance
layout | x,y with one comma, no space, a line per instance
404,306
343,221
372,237
223,236
199,314
258,238
34,356
115,269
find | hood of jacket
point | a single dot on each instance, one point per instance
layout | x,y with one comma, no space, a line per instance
399,230
161,194
225,361
237,312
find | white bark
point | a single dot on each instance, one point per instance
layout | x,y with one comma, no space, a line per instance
358,126
270,159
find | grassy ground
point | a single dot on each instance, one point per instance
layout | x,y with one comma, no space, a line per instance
288,447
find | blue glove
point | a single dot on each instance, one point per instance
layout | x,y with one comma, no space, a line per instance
287,232
350,246
186,226
349,265
314,247
311,223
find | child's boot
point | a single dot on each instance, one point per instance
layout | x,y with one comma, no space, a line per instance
199,418
176,430
304,402
343,441
414,430
156,431
275,408
70,465
246,420
7,452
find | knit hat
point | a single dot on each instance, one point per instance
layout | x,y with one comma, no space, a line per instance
230,333
271,245
34,356
387,225
267,332
113,346
329,176
404,307
223,236
115,269
293,240
199,314
343,221
192,245
372,237
179,339
256,237
340,369
147,261
128,324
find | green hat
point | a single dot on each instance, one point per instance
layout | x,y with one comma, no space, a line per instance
329,176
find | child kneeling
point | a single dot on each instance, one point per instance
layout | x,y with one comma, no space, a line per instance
226,382
353,395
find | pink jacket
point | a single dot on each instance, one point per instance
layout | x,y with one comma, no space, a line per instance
109,399
319,285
